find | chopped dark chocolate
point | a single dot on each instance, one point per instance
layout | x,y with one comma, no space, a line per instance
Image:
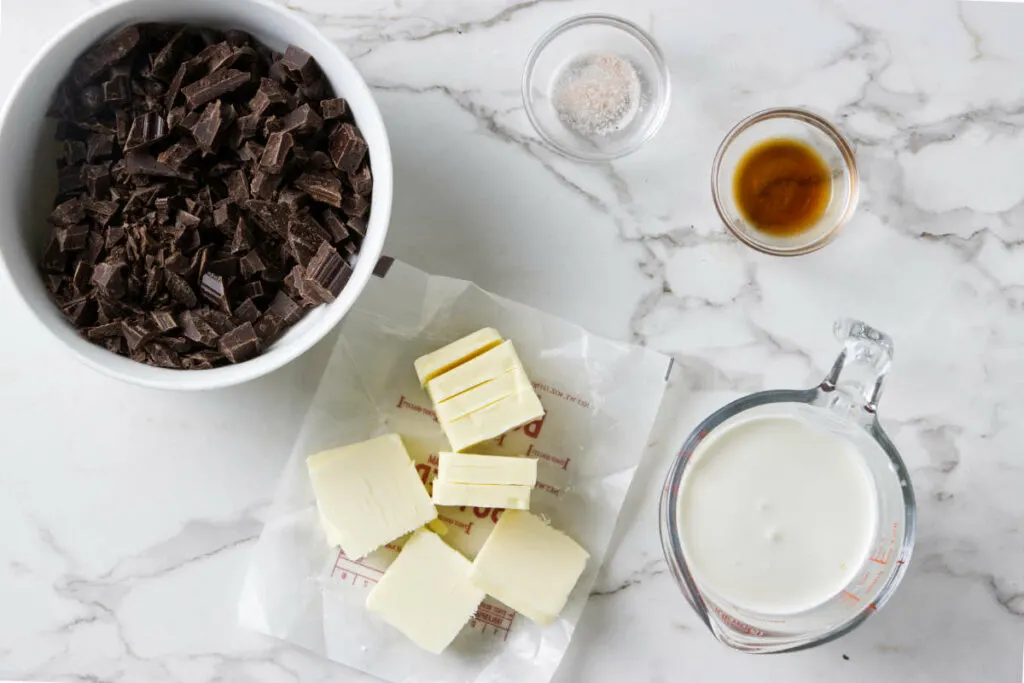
247,311
213,288
73,237
174,142
321,186
276,152
207,129
347,148
301,121
327,273
361,181
146,129
164,320
102,55
240,344
109,279
335,108
213,86
383,265
299,64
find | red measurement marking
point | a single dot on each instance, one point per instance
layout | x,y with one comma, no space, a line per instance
873,606
877,560
492,616
850,595
899,561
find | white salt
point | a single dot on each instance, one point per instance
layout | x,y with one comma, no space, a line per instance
597,94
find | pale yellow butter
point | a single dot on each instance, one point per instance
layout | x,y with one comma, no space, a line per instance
483,395
482,495
456,353
467,468
529,566
493,420
368,494
426,592
485,367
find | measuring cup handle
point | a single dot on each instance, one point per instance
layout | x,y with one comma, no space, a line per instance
859,371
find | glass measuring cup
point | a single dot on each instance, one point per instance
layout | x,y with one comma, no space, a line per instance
845,403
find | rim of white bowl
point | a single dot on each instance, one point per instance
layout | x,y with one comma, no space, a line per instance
276,357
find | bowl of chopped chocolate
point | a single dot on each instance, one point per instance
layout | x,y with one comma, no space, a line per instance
193,193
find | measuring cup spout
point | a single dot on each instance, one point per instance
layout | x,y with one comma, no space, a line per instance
854,384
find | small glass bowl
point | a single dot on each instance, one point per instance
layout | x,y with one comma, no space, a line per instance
793,124
595,34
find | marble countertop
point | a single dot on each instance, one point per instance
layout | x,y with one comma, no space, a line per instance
125,522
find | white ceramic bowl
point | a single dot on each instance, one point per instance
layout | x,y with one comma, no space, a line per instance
28,175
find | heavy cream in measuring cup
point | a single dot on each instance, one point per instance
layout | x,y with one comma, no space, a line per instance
776,515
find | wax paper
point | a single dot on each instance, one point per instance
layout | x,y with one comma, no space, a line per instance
600,398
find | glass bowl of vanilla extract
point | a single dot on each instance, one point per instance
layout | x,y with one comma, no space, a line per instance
784,181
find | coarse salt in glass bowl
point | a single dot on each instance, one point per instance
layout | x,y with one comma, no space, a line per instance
596,87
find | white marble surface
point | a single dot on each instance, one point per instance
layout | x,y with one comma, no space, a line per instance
125,524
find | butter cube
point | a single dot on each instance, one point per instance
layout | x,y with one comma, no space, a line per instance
485,367
529,566
426,592
368,494
493,420
456,353
483,395
482,495
467,468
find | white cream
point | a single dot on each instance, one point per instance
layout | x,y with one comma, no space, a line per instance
776,516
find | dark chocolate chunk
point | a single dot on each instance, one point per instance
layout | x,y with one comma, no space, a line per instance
73,152
81,275
100,210
213,288
164,62
240,343
179,289
302,120
136,334
225,266
247,311
80,312
146,129
334,224
177,154
361,181
213,86
102,55
321,187
109,279
69,179
299,64
272,218
164,320
207,129
319,161
163,357
383,265
248,125
276,152
224,218
355,206
194,327
242,239
253,290
103,331
327,273
238,188
67,213
269,327
115,91
335,108
264,184
348,148
54,281
73,237
140,163
251,264
97,179
285,309
269,93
